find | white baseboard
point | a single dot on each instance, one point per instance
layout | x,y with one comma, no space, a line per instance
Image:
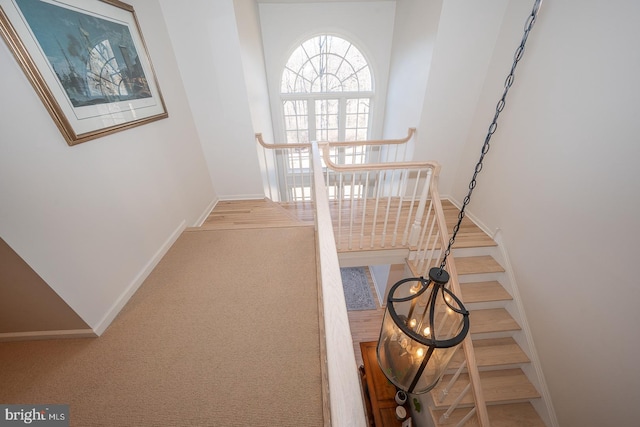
377,287
383,256
206,212
260,196
104,323
548,413
47,335
472,217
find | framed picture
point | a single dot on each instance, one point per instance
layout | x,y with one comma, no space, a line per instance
87,61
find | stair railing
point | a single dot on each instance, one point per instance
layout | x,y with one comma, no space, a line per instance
287,170
433,241
343,397
379,205
428,236
287,167
373,205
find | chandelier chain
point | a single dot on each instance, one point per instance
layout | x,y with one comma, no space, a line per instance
531,19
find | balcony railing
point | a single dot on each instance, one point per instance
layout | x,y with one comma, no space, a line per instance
287,168
364,205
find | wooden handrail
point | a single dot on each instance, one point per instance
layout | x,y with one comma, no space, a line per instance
346,402
375,166
281,146
410,134
467,346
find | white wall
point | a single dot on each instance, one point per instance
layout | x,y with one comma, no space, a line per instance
466,37
255,74
562,182
249,31
380,276
92,219
205,39
414,38
369,25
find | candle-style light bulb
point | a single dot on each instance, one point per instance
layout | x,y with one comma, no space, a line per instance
414,289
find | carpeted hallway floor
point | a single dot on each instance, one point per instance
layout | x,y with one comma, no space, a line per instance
224,332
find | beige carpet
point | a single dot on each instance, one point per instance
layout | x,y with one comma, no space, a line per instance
224,332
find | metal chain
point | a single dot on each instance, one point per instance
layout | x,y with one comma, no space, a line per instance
493,126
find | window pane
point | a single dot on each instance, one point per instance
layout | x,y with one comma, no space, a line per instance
365,80
357,120
295,121
327,111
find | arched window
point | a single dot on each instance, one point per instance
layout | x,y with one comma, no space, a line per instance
326,90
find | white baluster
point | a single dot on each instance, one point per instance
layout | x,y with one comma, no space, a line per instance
364,209
455,403
415,229
277,175
425,238
301,173
379,179
339,195
389,187
413,200
352,209
452,381
402,184
467,417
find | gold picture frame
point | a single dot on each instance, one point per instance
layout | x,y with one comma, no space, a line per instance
88,63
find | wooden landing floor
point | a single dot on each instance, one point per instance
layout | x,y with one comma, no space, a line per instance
470,235
259,213
262,213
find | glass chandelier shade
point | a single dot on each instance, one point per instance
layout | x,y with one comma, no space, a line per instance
422,326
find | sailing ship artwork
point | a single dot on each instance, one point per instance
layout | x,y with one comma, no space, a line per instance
90,61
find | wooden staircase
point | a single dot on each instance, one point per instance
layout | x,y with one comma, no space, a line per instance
502,355
509,394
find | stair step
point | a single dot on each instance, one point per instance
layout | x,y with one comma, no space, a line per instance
508,415
478,264
483,292
492,352
501,386
491,320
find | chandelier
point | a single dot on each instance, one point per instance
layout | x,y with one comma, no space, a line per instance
423,324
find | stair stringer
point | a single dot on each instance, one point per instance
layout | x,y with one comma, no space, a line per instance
524,338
